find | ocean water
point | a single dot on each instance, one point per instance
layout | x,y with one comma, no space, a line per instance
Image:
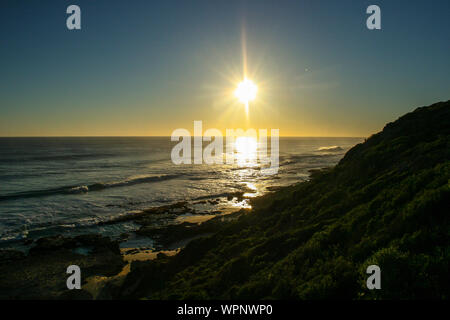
67,186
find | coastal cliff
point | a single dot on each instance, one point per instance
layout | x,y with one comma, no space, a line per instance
385,203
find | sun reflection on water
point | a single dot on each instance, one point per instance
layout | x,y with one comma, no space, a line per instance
246,151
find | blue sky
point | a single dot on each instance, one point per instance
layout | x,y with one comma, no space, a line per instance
149,67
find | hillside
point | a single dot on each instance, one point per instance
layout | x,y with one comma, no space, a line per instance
385,203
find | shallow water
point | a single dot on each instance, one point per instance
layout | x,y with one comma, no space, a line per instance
67,185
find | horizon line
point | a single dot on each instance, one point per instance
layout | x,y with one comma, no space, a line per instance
157,136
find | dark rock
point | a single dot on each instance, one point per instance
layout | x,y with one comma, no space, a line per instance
147,216
274,188
8,255
28,242
52,243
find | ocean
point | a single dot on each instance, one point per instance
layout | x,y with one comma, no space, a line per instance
68,186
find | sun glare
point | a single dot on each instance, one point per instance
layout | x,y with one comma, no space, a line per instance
245,145
246,91
246,148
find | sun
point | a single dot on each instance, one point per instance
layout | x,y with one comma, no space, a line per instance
246,91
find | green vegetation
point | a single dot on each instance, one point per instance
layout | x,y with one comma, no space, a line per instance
385,203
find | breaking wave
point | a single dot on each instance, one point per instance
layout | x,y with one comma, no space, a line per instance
86,188
330,148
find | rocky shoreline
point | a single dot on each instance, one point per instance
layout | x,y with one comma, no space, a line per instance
105,262
41,274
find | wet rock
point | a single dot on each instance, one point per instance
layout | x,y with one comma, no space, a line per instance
95,241
274,188
132,251
147,216
28,242
239,195
124,236
52,243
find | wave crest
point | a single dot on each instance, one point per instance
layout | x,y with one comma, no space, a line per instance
86,188
330,148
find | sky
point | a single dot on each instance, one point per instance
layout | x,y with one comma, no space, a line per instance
139,68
